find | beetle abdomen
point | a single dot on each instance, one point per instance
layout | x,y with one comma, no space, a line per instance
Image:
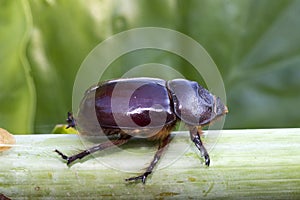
131,104
150,133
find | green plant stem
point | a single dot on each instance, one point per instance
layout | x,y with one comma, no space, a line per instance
244,164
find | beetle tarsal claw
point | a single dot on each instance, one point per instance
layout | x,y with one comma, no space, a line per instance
67,158
142,177
61,154
70,159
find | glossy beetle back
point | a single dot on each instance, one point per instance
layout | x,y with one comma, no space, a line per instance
193,104
136,103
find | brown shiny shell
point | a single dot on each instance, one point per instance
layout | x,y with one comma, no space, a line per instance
135,103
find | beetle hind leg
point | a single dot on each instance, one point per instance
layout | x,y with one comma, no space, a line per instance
71,121
99,147
162,147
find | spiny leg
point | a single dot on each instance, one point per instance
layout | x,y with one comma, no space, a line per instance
195,137
162,147
99,147
70,120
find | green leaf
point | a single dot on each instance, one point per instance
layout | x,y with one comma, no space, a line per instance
62,129
255,44
63,34
17,96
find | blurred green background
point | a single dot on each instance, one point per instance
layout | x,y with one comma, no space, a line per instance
254,43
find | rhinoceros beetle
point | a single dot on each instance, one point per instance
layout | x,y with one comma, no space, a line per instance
145,107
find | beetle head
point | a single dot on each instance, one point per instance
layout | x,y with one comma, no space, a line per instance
193,104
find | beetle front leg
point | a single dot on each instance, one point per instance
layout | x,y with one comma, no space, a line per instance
162,147
195,137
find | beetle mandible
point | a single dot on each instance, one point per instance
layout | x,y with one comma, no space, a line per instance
152,110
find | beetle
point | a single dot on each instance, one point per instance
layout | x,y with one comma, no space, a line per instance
145,107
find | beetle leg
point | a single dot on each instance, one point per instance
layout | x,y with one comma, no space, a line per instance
162,147
93,149
70,120
195,137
